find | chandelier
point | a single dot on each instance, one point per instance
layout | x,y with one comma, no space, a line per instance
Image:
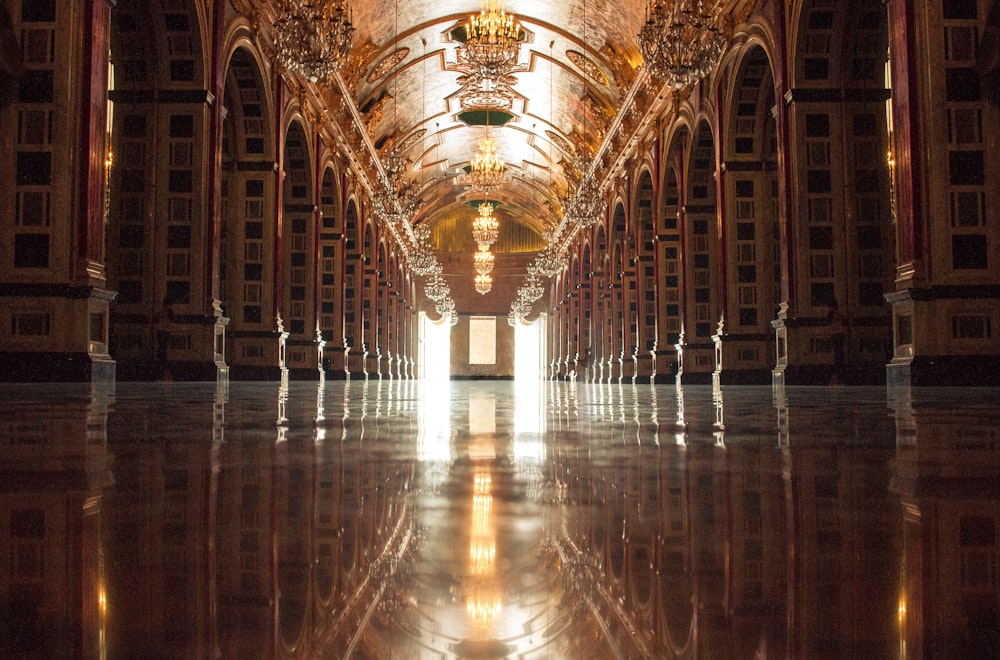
682,39
483,261
532,289
527,294
421,257
313,37
587,206
492,40
487,169
423,261
485,228
436,288
446,309
483,283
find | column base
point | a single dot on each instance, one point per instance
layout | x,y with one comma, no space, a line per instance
262,373
950,370
827,374
39,367
744,376
697,378
303,373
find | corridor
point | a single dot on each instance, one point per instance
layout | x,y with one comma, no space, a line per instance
494,519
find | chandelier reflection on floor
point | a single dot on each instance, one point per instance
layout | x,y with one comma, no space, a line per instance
492,40
682,39
313,37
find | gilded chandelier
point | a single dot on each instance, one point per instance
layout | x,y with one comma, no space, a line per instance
486,171
484,261
483,283
313,37
492,39
485,228
682,39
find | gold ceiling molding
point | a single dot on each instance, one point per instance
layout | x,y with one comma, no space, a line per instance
623,69
354,69
561,142
588,66
476,93
374,113
410,140
388,63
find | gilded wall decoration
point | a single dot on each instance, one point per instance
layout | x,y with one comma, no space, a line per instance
389,62
622,70
411,139
560,142
374,113
359,61
586,65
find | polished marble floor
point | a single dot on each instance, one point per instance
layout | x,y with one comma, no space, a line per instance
481,519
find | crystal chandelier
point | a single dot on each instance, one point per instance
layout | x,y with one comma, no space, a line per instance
682,39
551,261
492,40
436,288
483,261
483,283
532,289
446,308
422,259
587,206
313,37
487,169
485,228
527,294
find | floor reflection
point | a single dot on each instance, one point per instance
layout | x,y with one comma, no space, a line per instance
401,519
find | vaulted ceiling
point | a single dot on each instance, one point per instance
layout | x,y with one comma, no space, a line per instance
577,61
573,103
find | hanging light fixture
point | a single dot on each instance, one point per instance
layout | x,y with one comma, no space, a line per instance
313,37
483,260
485,228
487,169
421,254
437,288
483,284
492,40
682,39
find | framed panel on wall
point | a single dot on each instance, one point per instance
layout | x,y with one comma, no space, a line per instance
482,340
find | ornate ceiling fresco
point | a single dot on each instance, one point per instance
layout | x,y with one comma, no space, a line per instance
576,64
410,109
